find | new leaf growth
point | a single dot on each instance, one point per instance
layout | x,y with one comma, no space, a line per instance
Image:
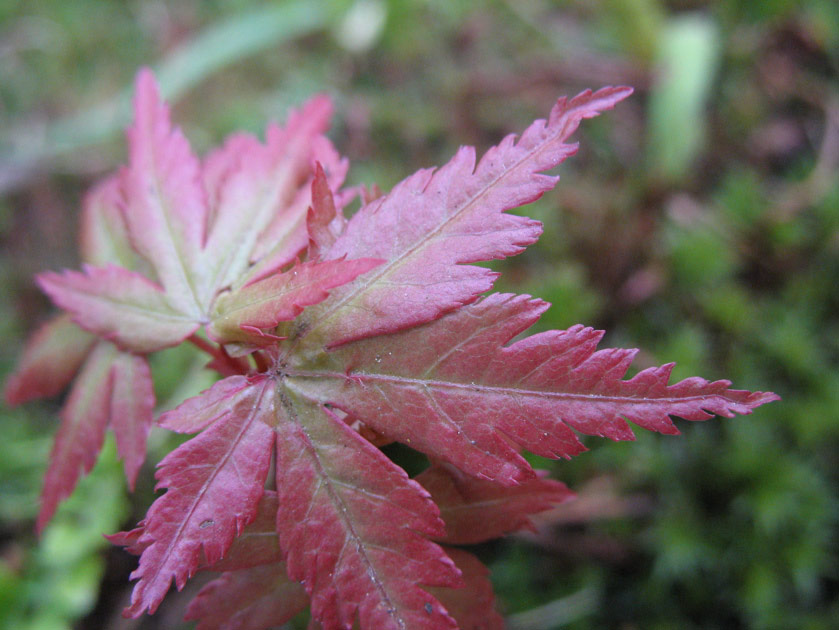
333,336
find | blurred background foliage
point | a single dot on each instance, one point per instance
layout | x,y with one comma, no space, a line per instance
699,221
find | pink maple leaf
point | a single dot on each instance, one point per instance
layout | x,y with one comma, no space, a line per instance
163,241
335,335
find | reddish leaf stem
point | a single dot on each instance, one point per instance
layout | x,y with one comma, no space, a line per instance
261,361
220,356
204,345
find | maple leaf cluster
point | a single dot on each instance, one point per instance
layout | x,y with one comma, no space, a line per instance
333,336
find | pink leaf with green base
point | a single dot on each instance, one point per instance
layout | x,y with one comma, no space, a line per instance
119,305
166,208
259,184
279,298
103,237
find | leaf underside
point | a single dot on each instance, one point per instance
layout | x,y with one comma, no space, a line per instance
477,510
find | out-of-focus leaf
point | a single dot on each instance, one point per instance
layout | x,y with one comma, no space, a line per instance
473,604
120,305
253,184
166,210
475,510
50,360
637,24
687,58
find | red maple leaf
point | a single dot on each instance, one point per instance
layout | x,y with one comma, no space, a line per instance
379,334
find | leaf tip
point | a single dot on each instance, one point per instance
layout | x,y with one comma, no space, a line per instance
145,86
17,390
753,400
